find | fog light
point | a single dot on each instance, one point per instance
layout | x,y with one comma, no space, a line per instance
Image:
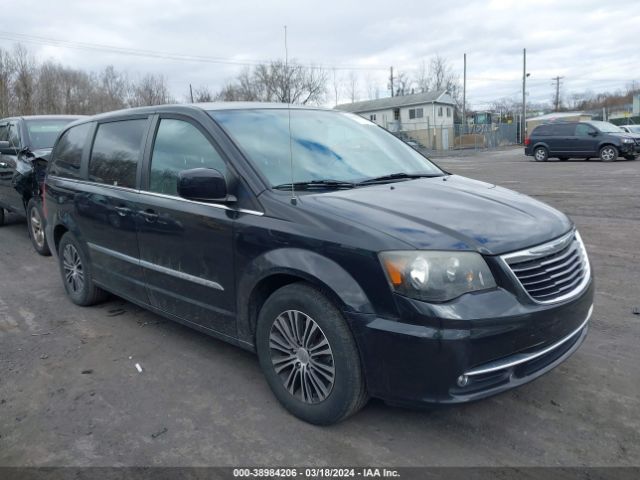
463,380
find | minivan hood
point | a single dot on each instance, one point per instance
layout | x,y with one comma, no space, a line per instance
448,213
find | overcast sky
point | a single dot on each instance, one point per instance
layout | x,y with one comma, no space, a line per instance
593,44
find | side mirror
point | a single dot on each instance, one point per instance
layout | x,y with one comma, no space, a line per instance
593,133
203,184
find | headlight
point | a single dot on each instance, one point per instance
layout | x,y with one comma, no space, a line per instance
628,140
436,276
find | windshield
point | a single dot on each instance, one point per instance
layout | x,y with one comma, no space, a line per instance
633,128
43,133
326,145
606,127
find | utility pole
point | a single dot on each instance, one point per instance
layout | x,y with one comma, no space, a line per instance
464,95
191,92
557,100
391,81
523,125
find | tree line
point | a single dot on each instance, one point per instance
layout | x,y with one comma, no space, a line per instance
30,87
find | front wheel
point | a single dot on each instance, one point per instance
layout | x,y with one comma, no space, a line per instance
308,355
77,274
608,153
541,154
35,224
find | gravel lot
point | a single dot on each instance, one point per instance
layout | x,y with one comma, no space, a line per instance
70,393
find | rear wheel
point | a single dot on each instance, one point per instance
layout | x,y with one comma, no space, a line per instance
77,274
608,153
541,154
36,228
308,355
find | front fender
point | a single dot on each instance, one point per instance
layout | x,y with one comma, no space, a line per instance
307,265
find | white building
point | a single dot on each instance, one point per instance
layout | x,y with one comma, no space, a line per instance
407,112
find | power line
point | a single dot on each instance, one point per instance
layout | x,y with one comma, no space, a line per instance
56,42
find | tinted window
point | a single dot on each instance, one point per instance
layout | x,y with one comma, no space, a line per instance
116,152
179,146
43,133
564,129
68,152
542,130
583,130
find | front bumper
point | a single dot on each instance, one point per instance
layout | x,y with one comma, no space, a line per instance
494,339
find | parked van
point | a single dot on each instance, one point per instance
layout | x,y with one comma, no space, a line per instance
350,263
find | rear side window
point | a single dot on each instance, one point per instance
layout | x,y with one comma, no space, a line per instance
68,152
178,146
116,152
542,130
564,129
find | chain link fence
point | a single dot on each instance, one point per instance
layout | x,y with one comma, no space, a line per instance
457,137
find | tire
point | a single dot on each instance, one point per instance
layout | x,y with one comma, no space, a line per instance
77,277
328,398
35,225
630,157
608,153
541,154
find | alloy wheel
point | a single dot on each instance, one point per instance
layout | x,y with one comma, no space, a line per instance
302,357
73,271
607,154
540,155
37,232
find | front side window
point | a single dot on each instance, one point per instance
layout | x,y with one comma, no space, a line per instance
68,152
584,130
178,146
4,132
14,136
324,144
43,132
116,152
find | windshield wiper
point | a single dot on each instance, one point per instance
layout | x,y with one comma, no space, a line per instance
398,176
315,184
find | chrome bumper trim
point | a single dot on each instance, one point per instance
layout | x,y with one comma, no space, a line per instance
520,358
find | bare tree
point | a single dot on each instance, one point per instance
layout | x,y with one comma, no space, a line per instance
373,89
23,84
202,94
149,90
7,71
112,90
422,79
278,82
352,86
402,84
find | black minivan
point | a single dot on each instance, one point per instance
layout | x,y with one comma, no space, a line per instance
592,139
349,262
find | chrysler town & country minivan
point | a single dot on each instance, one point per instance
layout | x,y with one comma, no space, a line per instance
352,265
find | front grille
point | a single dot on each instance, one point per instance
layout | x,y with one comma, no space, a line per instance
553,271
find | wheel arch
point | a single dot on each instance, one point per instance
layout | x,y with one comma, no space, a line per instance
275,269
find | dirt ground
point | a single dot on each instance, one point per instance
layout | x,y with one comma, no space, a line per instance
70,393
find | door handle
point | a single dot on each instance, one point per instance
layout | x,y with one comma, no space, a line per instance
123,211
149,215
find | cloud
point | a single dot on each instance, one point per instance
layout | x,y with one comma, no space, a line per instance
589,42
